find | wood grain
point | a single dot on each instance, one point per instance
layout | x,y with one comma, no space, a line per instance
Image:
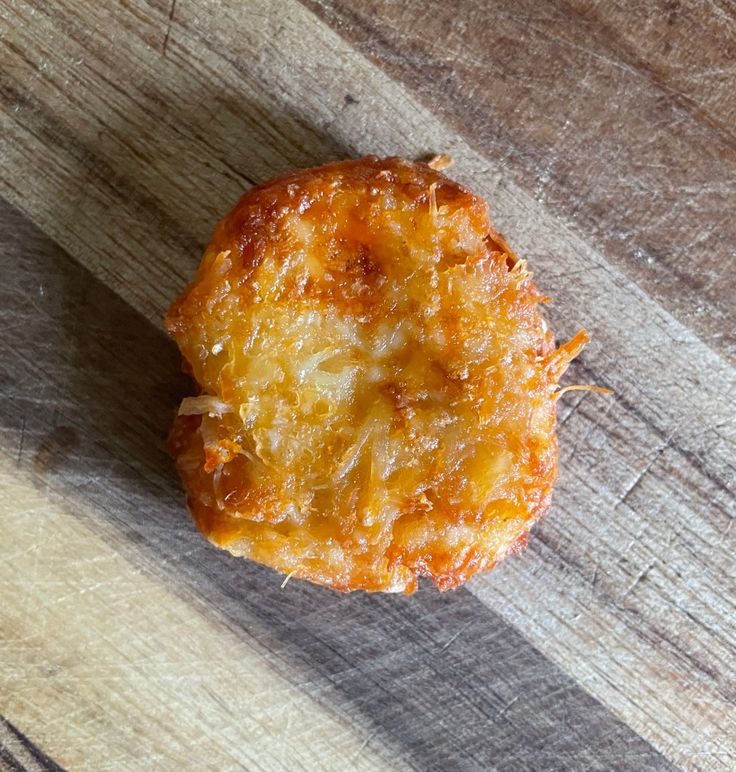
18,753
108,657
617,116
233,657
128,130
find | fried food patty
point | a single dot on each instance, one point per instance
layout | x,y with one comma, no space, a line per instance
377,382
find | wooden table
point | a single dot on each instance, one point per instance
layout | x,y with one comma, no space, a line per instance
603,135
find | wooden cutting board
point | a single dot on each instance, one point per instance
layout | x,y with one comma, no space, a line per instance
603,136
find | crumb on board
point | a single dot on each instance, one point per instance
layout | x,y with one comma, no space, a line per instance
440,161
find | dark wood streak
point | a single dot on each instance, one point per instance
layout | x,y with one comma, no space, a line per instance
9,763
170,21
604,137
443,681
19,754
652,40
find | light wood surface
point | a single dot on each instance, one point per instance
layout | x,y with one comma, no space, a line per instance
602,135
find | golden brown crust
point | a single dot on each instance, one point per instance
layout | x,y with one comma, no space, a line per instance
378,381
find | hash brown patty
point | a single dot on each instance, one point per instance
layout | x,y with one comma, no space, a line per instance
378,385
